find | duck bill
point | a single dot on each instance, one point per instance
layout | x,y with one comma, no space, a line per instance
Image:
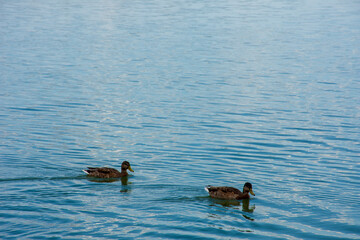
130,169
252,193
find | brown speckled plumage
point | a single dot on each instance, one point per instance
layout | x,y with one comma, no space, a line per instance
105,172
230,192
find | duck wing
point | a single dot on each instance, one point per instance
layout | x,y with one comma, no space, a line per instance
102,172
223,192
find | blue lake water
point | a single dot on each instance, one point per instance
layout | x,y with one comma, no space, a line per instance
191,93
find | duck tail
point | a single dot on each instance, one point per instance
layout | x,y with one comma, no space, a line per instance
86,171
207,188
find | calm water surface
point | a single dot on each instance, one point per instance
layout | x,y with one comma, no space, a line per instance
191,93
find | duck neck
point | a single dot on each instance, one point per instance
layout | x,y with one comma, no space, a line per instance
245,193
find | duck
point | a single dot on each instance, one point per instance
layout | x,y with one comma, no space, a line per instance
105,172
230,193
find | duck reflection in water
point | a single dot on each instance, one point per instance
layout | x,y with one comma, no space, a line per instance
245,203
124,185
235,204
124,180
246,206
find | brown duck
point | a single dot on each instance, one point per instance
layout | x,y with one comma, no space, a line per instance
105,172
230,192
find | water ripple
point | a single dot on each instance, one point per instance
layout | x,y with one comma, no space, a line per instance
191,93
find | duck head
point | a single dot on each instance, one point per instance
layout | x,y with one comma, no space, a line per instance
248,188
126,166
